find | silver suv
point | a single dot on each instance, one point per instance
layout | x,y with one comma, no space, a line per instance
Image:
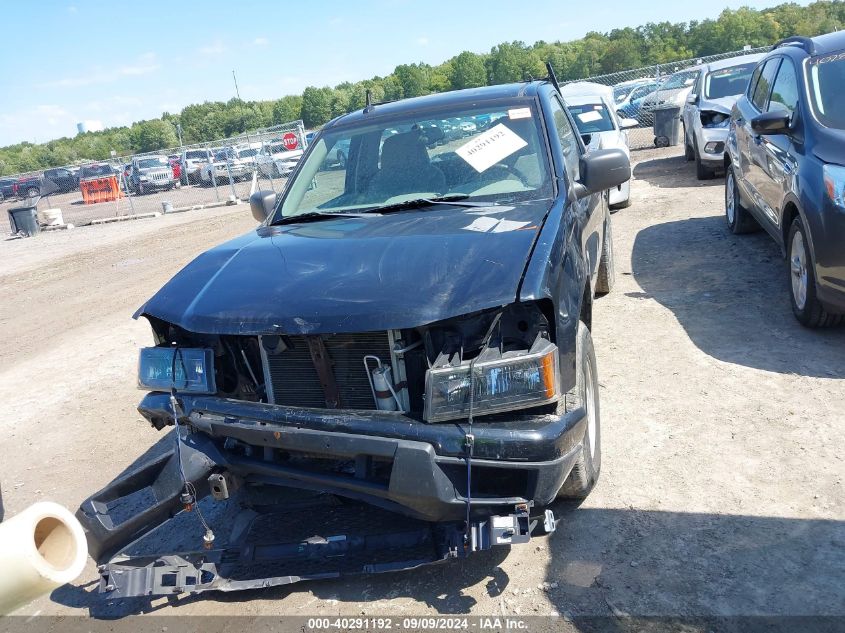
149,173
707,111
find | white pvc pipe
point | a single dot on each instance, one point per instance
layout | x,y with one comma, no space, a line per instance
41,548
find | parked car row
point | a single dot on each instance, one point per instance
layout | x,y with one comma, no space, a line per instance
148,173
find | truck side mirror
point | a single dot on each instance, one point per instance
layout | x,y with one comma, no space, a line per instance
776,122
262,203
601,170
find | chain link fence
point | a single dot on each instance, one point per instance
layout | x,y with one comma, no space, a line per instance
171,179
640,91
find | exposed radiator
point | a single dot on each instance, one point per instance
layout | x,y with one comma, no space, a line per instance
295,381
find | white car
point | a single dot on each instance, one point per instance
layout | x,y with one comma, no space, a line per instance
192,161
276,161
468,127
591,105
237,162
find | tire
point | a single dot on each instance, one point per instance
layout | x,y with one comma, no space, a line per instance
140,190
31,192
802,281
701,172
607,270
737,216
689,153
585,473
621,205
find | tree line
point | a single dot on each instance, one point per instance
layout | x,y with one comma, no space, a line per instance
594,54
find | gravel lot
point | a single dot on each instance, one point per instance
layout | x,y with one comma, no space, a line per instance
722,424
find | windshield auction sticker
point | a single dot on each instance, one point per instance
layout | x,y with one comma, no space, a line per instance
488,148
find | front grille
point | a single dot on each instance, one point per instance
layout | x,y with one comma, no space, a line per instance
160,176
295,381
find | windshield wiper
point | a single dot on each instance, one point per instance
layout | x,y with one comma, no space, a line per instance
455,200
314,216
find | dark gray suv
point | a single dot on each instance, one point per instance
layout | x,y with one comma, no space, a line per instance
785,168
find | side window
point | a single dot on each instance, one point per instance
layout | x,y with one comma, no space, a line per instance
764,84
568,141
785,90
752,83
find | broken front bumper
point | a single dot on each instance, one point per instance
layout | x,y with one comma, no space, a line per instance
711,146
274,549
409,469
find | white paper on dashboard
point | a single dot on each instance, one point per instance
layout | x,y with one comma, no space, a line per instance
488,148
589,115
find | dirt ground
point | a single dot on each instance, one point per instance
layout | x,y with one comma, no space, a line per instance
723,423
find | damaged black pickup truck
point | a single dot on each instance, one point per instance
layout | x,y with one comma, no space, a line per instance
404,342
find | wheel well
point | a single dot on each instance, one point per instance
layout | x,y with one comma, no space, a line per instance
587,307
790,212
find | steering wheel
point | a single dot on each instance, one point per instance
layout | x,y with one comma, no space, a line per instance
511,170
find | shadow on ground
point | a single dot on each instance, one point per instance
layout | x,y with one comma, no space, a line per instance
663,173
647,563
730,294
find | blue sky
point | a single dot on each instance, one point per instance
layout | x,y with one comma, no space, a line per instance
119,62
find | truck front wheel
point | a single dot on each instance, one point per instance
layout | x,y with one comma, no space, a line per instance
585,394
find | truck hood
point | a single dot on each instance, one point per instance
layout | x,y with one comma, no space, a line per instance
355,274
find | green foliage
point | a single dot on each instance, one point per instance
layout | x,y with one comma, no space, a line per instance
316,105
467,71
513,61
594,54
149,136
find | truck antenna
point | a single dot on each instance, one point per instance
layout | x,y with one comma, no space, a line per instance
552,77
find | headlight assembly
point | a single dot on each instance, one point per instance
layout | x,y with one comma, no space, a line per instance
186,369
515,381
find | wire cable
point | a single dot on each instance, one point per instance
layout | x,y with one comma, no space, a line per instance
469,438
189,487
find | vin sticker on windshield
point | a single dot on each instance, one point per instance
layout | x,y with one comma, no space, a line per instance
488,148
519,113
